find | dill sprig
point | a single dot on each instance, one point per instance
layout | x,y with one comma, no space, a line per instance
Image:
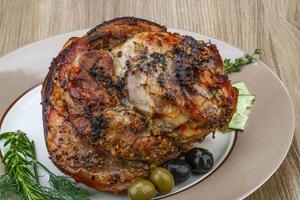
235,66
7,189
63,188
20,179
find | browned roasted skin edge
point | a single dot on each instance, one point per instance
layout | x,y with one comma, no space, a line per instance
46,89
126,19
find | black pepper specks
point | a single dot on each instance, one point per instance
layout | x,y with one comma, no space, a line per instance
186,62
169,95
97,72
185,77
161,80
127,63
117,177
58,156
98,127
63,84
158,61
119,54
120,83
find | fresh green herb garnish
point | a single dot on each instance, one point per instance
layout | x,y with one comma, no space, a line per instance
235,66
63,188
19,161
245,99
20,179
7,189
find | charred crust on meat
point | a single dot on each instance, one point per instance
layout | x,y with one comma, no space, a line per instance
63,84
158,61
120,83
46,93
58,156
89,164
187,62
169,95
143,54
98,72
161,80
117,177
127,63
99,124
126,20
119,54
185,77
93,38
109,34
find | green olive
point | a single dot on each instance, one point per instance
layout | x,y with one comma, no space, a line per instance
141,189
162,179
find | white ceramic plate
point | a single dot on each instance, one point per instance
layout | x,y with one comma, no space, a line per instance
258,151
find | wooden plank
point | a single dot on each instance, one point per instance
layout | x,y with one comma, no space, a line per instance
273,25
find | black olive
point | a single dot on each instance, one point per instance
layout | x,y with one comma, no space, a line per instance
200,160
180,169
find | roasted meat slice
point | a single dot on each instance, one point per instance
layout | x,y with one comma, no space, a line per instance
128,96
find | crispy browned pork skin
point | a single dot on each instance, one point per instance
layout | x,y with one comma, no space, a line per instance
128,96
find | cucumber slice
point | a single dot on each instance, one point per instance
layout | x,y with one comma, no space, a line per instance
238,121
241,86
245,100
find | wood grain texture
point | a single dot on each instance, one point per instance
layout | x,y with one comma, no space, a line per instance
272,25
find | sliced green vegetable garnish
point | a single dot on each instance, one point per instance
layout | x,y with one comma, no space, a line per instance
239,120
241,86
245,100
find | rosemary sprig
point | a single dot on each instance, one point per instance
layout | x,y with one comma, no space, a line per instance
235,66
20,179
18,161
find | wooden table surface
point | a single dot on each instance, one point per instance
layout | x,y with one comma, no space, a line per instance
271,25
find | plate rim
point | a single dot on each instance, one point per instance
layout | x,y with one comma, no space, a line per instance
293,128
